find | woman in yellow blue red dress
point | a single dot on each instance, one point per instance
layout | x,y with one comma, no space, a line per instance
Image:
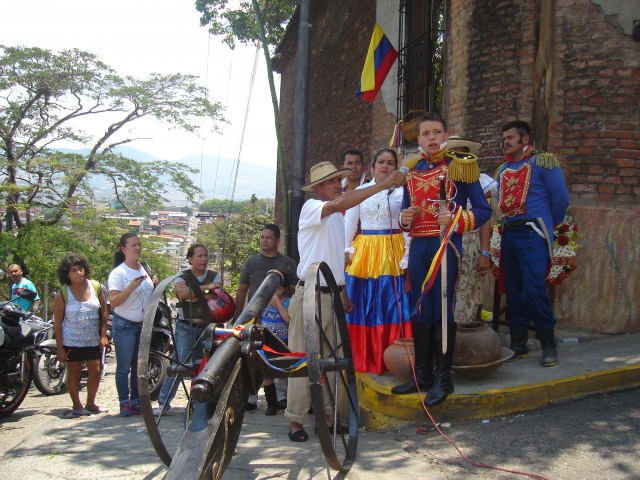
375,278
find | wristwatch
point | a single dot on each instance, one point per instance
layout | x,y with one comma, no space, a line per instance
486,253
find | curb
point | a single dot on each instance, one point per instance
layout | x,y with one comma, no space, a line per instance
379,409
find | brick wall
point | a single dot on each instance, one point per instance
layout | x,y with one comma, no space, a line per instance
583,103
338,119
591,120
597,125
489,70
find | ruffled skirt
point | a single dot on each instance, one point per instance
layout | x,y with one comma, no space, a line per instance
376,287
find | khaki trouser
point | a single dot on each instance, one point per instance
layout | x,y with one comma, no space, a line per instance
298,395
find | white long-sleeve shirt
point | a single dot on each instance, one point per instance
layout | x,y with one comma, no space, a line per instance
373,214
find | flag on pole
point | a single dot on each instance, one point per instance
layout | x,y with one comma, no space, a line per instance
380,58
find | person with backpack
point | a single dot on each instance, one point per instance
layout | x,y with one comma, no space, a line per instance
80,324
130,288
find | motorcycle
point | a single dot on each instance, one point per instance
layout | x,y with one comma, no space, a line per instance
21,334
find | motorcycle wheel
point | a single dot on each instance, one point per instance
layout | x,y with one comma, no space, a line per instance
49,375
157,373
13,388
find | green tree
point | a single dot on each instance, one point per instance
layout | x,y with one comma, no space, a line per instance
235,238
41,248
241,23
259,22
46,97
227,207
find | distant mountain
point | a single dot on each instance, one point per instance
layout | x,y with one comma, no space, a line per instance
217,176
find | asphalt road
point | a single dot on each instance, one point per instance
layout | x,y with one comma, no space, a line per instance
590,438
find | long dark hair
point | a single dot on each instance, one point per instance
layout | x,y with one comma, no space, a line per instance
119,257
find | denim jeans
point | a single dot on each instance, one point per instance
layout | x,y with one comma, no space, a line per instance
126,340
186,338
526,259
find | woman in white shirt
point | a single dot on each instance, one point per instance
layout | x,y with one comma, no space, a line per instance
130,290
375,277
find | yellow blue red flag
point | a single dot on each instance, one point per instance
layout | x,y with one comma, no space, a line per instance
380,58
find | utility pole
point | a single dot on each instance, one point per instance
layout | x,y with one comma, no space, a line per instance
300,116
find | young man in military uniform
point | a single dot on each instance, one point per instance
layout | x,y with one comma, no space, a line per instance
424,219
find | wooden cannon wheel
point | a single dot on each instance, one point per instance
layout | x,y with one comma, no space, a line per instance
213,427
332,380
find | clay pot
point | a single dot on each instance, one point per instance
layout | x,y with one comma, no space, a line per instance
476,344
396,359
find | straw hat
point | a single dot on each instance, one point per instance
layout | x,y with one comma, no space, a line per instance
324,171
455,142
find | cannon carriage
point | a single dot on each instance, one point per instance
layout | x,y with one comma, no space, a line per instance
202,442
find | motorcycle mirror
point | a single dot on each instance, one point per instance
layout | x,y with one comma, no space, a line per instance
3,274
26,293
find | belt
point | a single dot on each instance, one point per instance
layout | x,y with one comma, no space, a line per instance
519,224
323,289
381,232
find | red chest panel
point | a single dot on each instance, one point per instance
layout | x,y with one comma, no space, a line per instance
514,188
424,191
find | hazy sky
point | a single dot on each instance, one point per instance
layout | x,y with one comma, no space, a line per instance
138,37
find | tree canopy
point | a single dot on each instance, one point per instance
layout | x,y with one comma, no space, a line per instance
47,97
225,207
39,248
240,23
235,238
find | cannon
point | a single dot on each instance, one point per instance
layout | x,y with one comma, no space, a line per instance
202,442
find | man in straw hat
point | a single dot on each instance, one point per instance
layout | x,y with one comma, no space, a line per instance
321,239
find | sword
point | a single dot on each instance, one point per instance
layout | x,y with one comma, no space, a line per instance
443,265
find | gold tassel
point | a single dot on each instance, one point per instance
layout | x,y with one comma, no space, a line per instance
463,167
546,160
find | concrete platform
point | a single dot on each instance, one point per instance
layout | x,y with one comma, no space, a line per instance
590,366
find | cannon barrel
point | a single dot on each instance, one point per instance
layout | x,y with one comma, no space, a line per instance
215,372
261,298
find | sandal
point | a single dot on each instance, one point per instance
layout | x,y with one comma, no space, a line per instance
80,413
95,411
299,436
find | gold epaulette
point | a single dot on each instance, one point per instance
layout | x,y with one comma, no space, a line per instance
412,163
463,167
546,160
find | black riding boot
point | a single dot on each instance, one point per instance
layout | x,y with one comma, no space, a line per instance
519,338
443,385
549,351
272,399
423,343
